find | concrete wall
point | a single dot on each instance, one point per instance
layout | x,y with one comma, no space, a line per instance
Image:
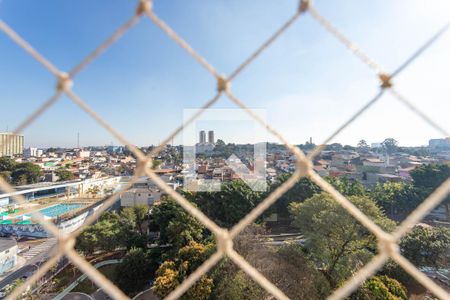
78,189
8,259
137,196
36,230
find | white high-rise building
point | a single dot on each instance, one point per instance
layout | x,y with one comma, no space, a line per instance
32,152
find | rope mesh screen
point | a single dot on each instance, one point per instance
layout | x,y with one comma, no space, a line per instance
387,242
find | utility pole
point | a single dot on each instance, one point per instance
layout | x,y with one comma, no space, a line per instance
78,140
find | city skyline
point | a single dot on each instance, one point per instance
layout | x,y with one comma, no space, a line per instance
370,143
307,81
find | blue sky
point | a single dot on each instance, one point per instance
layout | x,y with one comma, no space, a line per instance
307,81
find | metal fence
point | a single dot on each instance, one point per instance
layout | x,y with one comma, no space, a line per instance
387,242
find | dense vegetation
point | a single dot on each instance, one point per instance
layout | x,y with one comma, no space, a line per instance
336,245
124,232
19,173
336,241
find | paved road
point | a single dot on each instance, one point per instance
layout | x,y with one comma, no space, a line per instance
41,248
146,295
37,259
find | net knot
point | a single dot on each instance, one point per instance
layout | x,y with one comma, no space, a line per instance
223,85
142,165
304,166
224,241
66,242
304,5
385,80
387,244
144,6
64,82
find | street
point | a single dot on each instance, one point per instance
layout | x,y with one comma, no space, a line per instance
31,265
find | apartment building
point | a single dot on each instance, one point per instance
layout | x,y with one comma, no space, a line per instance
11,144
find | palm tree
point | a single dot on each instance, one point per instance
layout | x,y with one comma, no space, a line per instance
93,190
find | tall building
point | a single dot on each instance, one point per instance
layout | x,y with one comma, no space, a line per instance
11,144
32,152
211,137
29,152
202,137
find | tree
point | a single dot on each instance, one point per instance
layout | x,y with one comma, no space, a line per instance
166,279
229,205
87,241
427,246
303,189
287,267
172,272
120,170
422,151
136,240
397,199
381,287
175,225
238,286
349,148
128,217
393,270
308,146
7,164
390,145
27,295
93,190
108,234
135,271
334,147
141,213
363,146
6,175
26,173
64,175
346,186
112,231
201,289
336,241
428,177
131,226
223,150
16,283
155,164
220,142
19,179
